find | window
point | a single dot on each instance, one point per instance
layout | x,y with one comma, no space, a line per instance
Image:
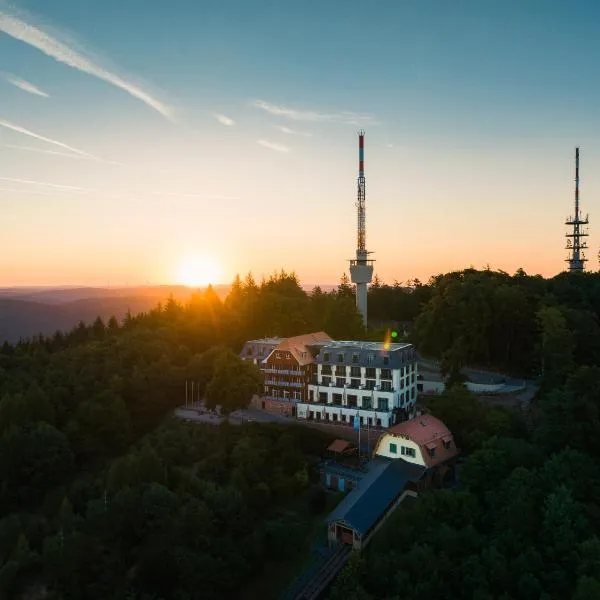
343,418
352,400
326,357
431,451
370,359
311,395
340,371
412,393
250,350
412,378
370,373
323,397
354,371
382,403
386,386
337,399
326,380
386,373
370,384
366,402
447,444
355,383
420,387
326,369
386,360
378,422
394,449
261,351
340,382
411,452
311,415
334,417
340,358
355,358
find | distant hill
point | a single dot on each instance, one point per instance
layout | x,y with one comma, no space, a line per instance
25,312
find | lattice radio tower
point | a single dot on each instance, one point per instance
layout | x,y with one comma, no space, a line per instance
576,243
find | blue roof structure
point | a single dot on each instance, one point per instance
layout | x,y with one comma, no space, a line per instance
365,504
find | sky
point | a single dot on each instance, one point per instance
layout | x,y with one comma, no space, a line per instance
144,141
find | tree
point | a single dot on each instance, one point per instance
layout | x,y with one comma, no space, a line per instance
233,384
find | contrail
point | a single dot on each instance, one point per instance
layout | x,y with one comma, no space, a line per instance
45,183
37,136
62,52
53,152
26,86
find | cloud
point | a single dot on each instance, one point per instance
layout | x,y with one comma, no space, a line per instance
390,145
224,120
59,186
273,146
289,131
26,86
42,138
19,29
347,117
41,151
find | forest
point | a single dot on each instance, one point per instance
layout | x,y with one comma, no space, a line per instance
524,522
104,495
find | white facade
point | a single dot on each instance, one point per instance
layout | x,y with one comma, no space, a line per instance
393,446
352,389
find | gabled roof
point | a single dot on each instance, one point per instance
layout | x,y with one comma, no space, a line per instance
430,434
339,446
298,346
365,504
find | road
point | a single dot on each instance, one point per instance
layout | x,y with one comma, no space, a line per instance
368,438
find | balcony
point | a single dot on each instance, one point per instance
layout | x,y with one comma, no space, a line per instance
284,372
280,398
284,383
346,407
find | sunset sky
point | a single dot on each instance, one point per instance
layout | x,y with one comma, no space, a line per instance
138,138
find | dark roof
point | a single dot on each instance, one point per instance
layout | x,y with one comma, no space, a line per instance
370,354
365,504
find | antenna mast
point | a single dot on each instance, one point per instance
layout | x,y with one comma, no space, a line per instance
361,269
576,243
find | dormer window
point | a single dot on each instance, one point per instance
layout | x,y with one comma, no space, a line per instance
326,357
370,359
386,360
340,357
355,359
447,443
250,350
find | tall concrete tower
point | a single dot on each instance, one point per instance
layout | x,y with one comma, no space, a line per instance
576,243
361,269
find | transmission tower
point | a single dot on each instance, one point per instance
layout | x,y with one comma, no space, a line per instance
576,243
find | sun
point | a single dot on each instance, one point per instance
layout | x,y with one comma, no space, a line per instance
198,271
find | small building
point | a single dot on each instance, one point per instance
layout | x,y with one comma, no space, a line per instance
424,441
364,510
287,369
409,457
370,381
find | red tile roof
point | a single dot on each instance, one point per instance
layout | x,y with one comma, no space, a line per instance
297,346
429,433
339,446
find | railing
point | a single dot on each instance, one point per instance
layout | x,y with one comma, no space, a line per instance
309,403
298,373
284,383
280,398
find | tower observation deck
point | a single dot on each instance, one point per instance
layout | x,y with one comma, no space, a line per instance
577,233
361,268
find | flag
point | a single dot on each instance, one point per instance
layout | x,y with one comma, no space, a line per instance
357,423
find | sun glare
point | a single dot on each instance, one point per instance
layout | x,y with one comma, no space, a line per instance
198,271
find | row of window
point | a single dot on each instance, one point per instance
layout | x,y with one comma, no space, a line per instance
333,418
366,401
341,357
404,450
370,384
342,371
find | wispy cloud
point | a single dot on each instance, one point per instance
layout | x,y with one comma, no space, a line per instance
59,186
390,145
35,192
41,151
289,131
16,26
224,120
42,138
26,86
347,117
273,146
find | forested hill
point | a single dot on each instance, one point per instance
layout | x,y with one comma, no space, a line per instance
102,496
524,523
